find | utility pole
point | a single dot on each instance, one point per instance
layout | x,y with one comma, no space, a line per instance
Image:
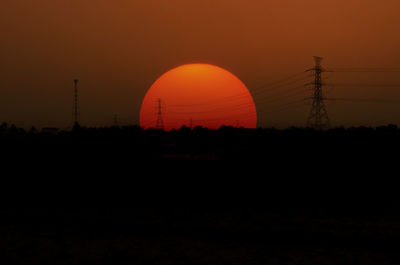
160,121
318,117
76,104
116,120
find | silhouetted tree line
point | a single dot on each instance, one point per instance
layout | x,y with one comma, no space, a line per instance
10,130
292,161
206,144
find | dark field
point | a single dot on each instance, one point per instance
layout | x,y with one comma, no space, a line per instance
353,160
182,236
296,196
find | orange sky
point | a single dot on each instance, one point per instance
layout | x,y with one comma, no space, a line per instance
119,48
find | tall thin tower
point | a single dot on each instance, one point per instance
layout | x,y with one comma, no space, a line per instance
116,120
76,104
160,121
318,117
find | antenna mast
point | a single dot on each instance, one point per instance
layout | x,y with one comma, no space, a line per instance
76,104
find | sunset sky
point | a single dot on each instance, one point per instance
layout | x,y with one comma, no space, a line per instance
119,48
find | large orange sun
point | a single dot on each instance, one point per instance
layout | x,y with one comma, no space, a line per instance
198,95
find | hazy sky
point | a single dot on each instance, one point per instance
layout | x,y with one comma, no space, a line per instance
118,48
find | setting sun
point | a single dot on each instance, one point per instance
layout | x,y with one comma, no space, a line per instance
198,95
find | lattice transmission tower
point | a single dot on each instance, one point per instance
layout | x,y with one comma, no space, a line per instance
318,117
160,121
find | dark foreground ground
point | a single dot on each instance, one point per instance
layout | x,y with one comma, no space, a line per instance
225,144
247,197
186,236
289,164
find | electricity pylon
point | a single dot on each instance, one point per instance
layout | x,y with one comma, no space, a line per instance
318,117
160,121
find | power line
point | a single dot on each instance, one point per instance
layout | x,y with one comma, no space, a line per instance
364,70
253,92
291,93
375,100
275,87
365,85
